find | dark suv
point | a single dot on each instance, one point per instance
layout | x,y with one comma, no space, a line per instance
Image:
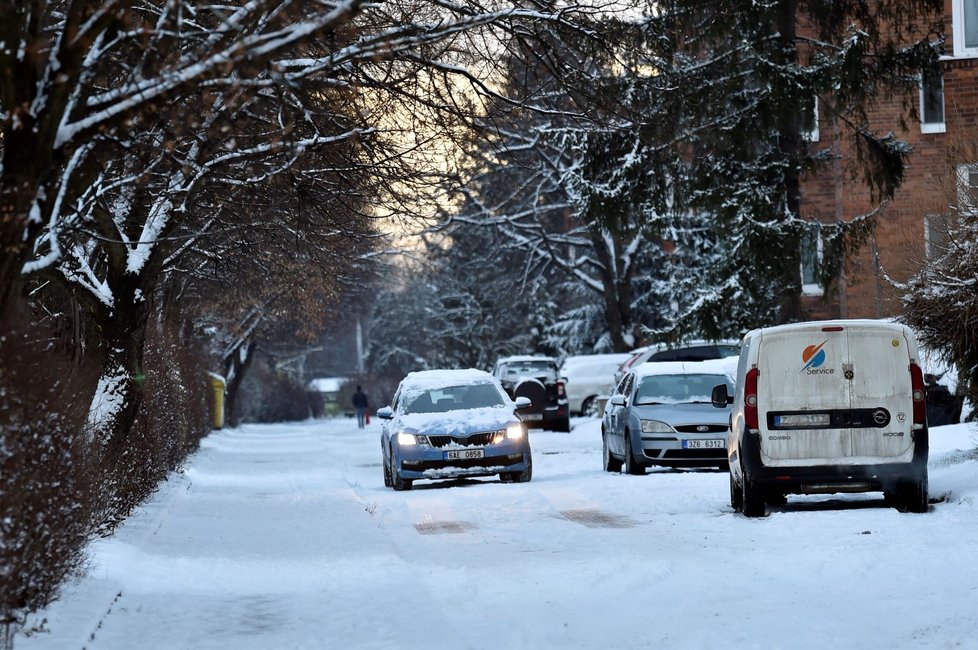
538,379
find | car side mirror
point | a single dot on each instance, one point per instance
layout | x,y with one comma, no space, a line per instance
618,400
720,397
385,413
523,403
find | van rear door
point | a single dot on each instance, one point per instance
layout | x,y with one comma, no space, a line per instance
882,402
835,393
800,385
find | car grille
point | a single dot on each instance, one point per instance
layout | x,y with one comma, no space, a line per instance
695,428
492,461
474,440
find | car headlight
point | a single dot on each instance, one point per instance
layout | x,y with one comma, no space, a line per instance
513,431
654,426
406,439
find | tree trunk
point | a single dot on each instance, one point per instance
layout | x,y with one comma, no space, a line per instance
124,330
235,370
617,289
789,143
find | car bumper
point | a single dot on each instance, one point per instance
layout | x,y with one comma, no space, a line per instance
825,479
678,450
546,417
431,463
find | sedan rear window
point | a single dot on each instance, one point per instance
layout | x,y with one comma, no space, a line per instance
678,389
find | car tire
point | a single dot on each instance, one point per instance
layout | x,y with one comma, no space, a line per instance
589,407
753,499
736,496
631,466
526,474
563,426
388,482
611,464
912,496
397,482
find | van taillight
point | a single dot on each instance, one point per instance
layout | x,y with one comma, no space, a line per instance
919,395
750,399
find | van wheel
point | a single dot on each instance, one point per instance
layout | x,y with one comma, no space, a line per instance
753,499
611,464
631,467
736,497
912,496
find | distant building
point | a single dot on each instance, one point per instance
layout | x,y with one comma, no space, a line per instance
943,169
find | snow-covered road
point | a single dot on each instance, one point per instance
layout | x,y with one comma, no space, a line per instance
283,536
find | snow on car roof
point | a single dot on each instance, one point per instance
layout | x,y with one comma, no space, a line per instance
709,367
850,322
524,358
443,378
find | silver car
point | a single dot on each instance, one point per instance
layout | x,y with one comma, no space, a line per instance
662,414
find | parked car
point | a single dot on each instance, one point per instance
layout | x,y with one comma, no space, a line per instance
588,377
696,350
453,423
661,414
823,407
538,379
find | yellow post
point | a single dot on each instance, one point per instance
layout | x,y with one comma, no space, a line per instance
218,384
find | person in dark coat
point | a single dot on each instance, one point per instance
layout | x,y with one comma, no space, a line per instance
360,404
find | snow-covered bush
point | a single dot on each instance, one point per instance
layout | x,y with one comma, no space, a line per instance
48,476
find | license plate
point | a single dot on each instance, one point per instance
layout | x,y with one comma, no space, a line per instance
465,454
531,417
704,444
802,420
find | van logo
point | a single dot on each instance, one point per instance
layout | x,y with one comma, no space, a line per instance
813,356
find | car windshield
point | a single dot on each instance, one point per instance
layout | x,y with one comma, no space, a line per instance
454,398
678,389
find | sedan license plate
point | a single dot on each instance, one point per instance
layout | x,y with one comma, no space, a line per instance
704,444
531,417
465,454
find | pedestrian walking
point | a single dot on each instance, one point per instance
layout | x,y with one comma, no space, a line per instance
360,404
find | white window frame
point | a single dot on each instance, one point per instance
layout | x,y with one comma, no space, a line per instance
811,289
957,30
931,127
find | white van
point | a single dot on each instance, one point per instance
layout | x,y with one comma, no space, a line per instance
829,406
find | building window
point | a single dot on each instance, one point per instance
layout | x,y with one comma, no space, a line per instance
809,120
935,235
964,17
811,260
932,99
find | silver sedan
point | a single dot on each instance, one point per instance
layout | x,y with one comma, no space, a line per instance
661,414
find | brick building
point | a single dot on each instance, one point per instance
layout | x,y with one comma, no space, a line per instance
942,165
